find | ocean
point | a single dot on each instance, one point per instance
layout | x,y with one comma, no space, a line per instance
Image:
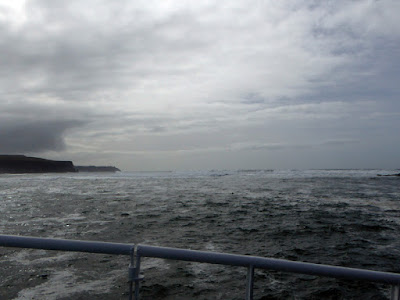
341,217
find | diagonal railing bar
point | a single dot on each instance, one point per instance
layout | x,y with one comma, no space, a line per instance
65,245
269,263
251,262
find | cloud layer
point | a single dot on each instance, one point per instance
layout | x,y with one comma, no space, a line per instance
184,84
33,137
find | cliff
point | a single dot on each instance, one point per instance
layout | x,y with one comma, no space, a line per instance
17,164
97,169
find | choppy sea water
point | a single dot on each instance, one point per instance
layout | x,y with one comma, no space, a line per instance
341,217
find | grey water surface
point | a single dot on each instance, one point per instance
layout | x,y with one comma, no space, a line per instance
341,217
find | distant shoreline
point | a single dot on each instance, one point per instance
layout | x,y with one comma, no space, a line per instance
21,164
97,169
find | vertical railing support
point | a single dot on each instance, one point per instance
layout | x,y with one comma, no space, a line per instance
134,274
250,281
131,273
137,276
395,294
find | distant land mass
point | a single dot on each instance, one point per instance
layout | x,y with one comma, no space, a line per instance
19,164
398,174
97,169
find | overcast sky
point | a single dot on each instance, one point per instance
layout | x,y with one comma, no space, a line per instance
186,85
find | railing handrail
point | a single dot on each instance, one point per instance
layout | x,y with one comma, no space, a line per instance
66,245
200,256
250,262
268,263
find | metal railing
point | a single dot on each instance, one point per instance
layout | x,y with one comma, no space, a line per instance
251,262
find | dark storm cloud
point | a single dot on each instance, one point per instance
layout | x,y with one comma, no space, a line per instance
27,137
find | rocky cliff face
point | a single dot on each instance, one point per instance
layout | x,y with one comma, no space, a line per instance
16,164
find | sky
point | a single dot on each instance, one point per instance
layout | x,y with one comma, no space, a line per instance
200,85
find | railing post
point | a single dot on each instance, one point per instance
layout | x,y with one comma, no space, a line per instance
134,274
250,281
395,294
131,273
137,276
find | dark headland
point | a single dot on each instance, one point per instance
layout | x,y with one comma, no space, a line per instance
398,174
19,164
97,169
